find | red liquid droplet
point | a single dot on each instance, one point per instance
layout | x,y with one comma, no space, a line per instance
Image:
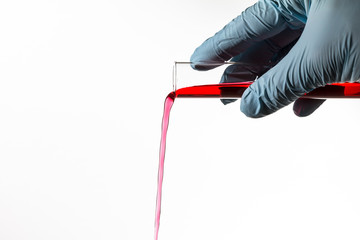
231,90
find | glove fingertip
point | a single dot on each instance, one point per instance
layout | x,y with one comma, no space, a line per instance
304,107
227,101
195,61
204,58
251,105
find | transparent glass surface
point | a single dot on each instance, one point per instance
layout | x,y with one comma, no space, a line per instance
231,177
185,76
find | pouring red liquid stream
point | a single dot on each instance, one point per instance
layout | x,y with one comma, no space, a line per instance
231,90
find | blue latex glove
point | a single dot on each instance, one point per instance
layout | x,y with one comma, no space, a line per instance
295,46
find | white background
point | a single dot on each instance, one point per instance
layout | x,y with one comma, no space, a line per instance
82,85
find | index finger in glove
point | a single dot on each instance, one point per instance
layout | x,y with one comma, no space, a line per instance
260,21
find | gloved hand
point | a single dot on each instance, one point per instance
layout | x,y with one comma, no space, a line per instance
294,45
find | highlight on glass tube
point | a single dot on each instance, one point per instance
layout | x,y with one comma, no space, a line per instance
226,81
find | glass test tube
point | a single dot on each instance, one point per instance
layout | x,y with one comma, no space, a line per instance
188,83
